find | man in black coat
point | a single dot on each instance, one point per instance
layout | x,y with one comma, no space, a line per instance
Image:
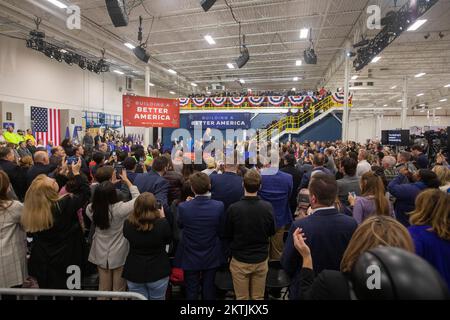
41,166
16,174
290,162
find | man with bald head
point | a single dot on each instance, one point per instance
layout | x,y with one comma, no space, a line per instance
41,166
318,167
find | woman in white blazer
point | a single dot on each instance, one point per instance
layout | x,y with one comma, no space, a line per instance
13,247
109,247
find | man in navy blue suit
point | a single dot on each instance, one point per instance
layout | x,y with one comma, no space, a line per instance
277,189
328,232
202,222
318,167
154,182
227,187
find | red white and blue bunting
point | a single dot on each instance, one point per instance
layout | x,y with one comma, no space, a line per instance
237,101
184,102
218,101
297,100
256,101
276,100
199,102
339,97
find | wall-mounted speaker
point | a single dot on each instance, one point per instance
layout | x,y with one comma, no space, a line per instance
118,12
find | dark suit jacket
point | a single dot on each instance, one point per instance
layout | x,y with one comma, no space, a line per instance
202,222
152,182
328,234
296,179
17,177
227,188
277,189
307,177
328,285
37,169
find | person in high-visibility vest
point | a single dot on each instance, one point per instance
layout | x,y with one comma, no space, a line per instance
29,136
10,136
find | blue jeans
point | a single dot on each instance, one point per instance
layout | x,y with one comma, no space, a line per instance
151,290
193,279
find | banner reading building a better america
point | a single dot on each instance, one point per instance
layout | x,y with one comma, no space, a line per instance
150,112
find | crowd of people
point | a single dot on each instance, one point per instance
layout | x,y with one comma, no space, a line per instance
140,218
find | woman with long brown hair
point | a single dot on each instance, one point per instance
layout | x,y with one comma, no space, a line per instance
147,267
57,235
430,230
373,199
109,247
331,285
13,260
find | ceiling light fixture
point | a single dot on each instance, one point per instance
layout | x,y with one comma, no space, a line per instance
171,71
210,39
194,84
355,77
295,79
298,63
230,66
420,75
129,45
376,59
57,3
118,72
304,33
416,25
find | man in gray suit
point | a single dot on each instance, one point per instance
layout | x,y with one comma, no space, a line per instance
350,182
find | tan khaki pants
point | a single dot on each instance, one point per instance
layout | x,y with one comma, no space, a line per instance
276,245
111,280
249,280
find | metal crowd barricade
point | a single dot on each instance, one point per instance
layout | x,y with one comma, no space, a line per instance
34,294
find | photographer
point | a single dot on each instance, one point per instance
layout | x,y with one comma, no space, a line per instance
420,158
406,193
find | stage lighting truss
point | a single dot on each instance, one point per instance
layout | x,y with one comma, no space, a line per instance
36,41
395,24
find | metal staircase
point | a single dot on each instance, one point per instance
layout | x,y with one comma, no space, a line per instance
297,123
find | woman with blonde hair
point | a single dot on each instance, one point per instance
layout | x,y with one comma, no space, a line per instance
53,222
330,284
443,174
373,199
147,267
13,259
430,230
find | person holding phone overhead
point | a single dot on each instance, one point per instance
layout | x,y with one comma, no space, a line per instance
109,247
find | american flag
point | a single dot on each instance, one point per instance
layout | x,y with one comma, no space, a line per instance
46,124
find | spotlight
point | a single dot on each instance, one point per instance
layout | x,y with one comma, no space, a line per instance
68,58
351,54
207,4
82,64
390,18
58,56
49,52
141,53
310,56
244,58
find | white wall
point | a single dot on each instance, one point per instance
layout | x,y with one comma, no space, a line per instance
363,129
17,112
30,78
